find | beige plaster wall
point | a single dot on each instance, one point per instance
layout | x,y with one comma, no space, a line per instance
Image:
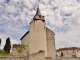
78,53
50,43
70,53
25,41
37,37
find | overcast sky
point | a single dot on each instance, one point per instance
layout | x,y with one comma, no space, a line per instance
61,16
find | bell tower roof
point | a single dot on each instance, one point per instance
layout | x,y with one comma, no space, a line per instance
38,15
38,11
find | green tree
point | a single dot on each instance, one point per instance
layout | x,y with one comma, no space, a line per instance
7,46
19,47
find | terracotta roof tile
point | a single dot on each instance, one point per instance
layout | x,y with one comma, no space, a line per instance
68,48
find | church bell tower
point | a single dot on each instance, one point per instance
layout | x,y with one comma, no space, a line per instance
37,40
38,15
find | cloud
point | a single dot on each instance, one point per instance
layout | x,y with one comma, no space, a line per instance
15,1
1,1
46,2
9,9
3,40
61,16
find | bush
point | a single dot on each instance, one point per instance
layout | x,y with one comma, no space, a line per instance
17,55
3,52
19,47
5,55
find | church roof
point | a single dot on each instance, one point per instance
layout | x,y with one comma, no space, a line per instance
24,35
38,11
28,32
50,30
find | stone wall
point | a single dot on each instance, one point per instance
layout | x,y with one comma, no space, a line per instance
14,51
25,41
36,56
50,43
61,58
12,58
48,58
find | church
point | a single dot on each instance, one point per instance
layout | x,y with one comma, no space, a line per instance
39,37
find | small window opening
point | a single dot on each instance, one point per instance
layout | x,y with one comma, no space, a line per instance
39,16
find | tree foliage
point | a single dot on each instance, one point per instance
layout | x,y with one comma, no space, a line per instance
19,47
7,46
